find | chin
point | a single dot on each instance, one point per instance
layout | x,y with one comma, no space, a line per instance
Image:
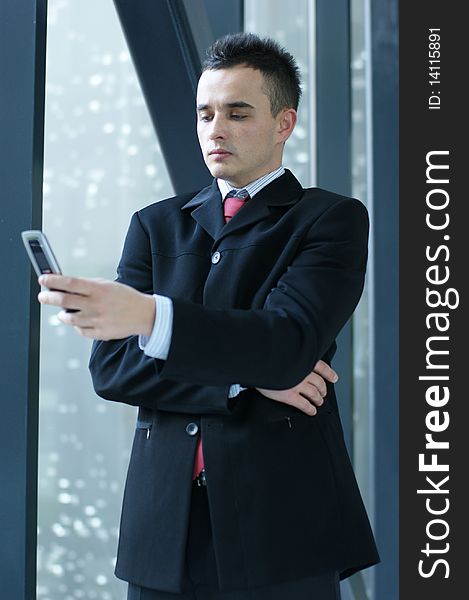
219,172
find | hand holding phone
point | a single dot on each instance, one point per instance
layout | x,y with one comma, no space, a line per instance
41,255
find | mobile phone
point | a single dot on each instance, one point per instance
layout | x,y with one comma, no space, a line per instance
41,255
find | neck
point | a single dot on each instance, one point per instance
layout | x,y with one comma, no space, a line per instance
239,185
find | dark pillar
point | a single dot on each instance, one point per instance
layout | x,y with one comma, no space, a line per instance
22,61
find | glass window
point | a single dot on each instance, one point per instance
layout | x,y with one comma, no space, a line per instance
102,162
296,34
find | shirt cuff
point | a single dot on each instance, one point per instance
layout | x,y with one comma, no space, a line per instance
235,389
157,345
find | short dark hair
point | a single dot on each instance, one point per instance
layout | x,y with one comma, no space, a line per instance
279,68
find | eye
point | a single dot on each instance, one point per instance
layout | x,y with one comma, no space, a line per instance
205,118
238,117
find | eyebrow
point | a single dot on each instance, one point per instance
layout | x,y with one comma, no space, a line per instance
236,104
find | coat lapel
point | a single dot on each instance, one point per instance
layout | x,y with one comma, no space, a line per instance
207,207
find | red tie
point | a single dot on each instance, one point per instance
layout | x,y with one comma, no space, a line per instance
234,200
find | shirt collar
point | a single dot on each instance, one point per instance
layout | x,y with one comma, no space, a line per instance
252,188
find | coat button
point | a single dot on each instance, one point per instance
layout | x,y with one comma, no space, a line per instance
216,258
192,428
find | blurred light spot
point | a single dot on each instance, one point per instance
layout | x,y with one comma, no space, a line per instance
59,530
95,522
65,520
95,79
73,363
301,133
80,528
65,498
145,131
102,535
53,321
79,253
56,570
302,157
150,170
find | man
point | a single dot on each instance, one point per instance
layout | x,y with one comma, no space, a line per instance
239,483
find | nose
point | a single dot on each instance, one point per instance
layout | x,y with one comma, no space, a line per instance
218,128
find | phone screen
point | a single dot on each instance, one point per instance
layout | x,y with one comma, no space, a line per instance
40,257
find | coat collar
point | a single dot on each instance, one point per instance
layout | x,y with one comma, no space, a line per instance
207,207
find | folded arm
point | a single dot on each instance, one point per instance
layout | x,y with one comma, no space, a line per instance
299,321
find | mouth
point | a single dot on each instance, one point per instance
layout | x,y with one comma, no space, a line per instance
219,153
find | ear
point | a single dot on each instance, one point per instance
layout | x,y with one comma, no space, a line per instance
286,121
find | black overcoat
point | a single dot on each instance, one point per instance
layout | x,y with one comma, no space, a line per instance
256,302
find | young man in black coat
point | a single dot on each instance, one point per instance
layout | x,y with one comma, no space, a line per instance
219,328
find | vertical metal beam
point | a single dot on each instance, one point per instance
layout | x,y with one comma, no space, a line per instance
212,19
333,95
22,64
383,42
225,17
333,106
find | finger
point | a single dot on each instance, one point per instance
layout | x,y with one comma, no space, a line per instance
318,382
60,298
313,396
75,285
54,298
75,319
305,406
325,371
301,402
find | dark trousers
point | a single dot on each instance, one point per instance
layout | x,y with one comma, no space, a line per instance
201,575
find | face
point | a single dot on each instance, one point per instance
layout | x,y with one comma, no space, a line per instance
239,137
